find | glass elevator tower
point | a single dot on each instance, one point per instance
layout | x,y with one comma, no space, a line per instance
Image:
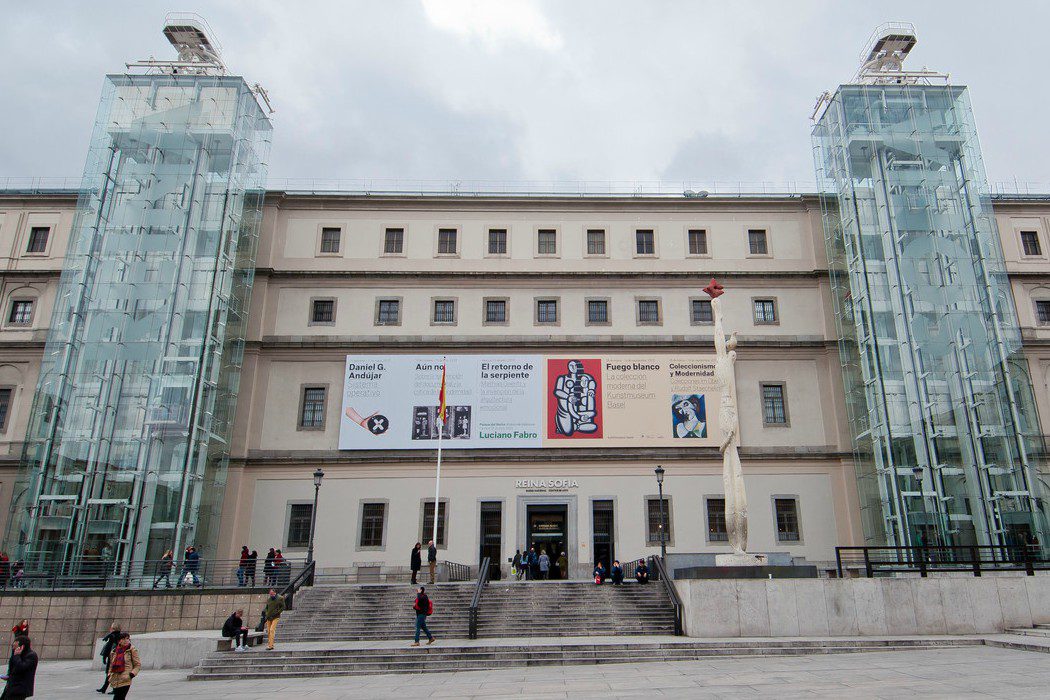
940,403
127,447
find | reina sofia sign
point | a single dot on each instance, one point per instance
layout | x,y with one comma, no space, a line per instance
546,484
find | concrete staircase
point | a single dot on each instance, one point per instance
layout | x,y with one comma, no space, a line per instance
312,663
574,609
373,612
1039,631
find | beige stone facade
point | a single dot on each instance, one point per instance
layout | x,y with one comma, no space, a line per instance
803,459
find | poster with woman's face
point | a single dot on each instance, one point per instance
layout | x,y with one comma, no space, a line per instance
689,416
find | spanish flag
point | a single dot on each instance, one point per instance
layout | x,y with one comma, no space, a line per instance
441,397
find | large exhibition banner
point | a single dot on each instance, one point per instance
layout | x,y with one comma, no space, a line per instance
390,402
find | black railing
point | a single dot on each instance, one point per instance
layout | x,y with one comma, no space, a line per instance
672,593
99,573
924,559
305,578
483,577
458,572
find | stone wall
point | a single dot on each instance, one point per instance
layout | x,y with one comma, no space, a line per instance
852,607
65,625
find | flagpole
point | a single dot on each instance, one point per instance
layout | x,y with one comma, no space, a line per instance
441,430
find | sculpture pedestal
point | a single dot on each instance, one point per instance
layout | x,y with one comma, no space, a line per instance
741,560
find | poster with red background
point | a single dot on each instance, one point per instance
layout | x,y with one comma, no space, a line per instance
574,399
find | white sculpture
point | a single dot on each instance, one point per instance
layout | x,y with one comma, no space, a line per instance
729,429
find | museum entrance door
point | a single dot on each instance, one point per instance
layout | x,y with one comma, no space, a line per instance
545,528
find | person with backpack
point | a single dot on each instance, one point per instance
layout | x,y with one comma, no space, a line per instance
423,608
109,641
416,562
21,670
124,665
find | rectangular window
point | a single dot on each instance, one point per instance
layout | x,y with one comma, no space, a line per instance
716,520
394,241
765,311
547,311
495,311
597,311
21,313
330,239
322,311
756,242
1030,242
299,516
774,412
1042,312
38,236
701,312
428,523
659,522
497,241
388,312
787,519
648,311
697,241
596,241
373,516
311,414
447,241
5,408
645,241
547,241
444,311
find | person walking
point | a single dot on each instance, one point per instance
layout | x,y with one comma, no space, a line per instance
534,564
432,560
416,562
109,642
124,665
423,608
21,670
563,566
515,564
234,629
545,564
249,571
164,566
191,563
616,573
272,614
242,566
268,568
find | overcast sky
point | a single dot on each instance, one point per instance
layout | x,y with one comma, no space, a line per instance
529,89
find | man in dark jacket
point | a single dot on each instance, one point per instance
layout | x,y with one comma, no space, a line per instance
191,563
416,562
249,571
234,629
109,641
21,670
422,609
432,559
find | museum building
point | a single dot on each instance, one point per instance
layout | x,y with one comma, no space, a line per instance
181,348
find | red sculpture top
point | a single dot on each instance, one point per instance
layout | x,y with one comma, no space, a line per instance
714,289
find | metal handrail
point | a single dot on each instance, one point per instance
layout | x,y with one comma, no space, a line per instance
926,558
305,578
676,602
483,577
457,572
92,573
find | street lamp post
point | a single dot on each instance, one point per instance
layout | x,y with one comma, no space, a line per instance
663,515
318,475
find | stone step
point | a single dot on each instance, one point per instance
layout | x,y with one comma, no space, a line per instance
437,659
1037,631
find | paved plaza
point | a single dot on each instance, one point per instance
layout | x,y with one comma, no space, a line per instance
956,673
